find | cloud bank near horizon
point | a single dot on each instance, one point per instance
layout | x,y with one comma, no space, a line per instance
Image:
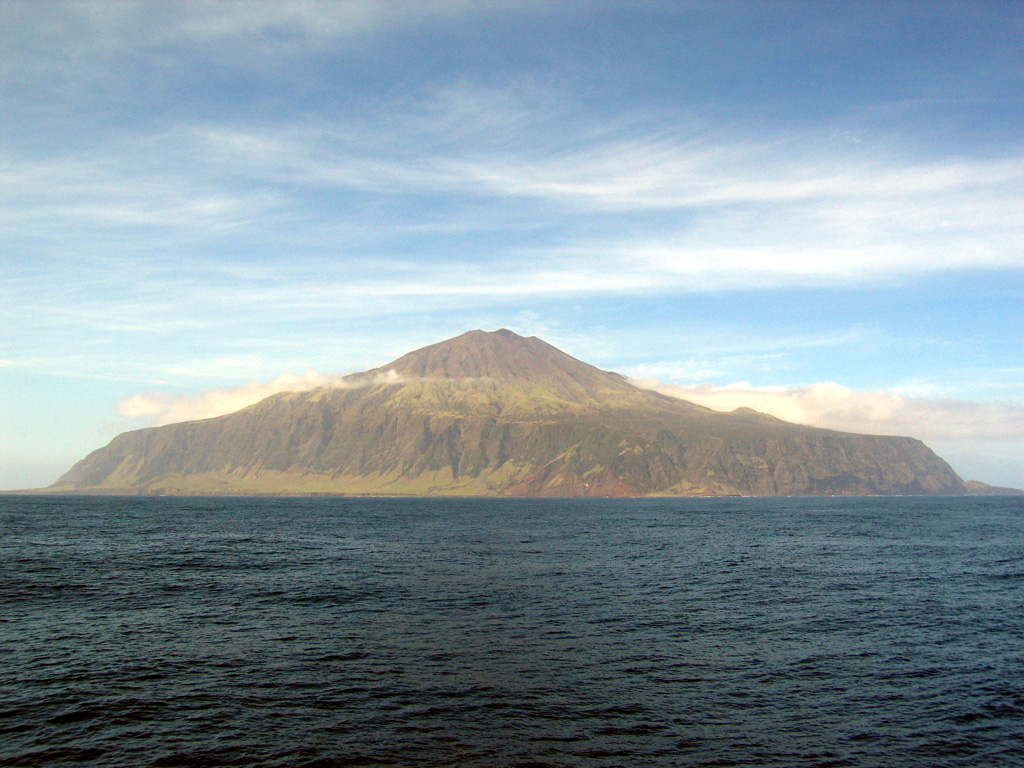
832,406
824,404
160,408
157,409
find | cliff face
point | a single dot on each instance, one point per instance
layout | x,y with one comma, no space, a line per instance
498,414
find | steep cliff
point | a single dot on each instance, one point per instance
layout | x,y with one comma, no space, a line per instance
499,414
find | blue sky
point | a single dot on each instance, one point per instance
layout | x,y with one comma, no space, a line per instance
816,209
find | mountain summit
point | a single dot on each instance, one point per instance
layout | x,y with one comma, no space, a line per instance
494,413
503,356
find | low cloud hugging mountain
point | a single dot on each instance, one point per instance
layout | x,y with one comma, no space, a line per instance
834,406
159,408
826,404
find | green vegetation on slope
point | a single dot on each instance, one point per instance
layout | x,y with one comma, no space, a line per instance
497,414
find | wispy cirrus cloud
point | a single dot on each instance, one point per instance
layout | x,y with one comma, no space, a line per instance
69,32
132,187
453,141
701,204
749,215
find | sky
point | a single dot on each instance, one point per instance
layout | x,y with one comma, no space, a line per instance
812,209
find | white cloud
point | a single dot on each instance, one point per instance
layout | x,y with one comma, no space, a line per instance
834,406
75,29
161,408
824,404
749,210
458,142
981,440
285,27
755,211
133,186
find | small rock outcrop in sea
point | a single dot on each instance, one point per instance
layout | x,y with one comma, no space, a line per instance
497,414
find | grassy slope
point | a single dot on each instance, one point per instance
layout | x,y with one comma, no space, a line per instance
490,414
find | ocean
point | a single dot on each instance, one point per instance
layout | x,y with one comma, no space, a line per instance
501,632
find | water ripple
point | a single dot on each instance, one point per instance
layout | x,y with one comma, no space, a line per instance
561,633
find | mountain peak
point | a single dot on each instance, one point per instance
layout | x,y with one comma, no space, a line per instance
504,355
494,413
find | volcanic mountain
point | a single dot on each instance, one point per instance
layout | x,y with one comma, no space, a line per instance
496,414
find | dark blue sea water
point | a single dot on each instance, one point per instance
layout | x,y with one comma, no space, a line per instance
342,632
